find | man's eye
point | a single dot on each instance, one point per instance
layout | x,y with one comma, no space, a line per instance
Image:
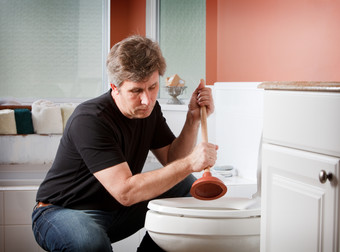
135,91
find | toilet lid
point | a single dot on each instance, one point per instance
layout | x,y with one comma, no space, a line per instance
221,208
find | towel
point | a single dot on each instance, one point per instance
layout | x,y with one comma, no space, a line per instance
66,111
7,122
23,120
46,117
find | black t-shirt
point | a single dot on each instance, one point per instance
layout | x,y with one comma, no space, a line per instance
98,136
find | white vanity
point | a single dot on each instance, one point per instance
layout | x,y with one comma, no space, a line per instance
300,167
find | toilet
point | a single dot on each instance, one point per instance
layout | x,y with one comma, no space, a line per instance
188,224
231,223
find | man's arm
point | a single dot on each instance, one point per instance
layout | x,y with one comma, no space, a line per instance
186,141
129,189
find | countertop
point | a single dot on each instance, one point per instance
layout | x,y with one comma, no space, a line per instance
318,86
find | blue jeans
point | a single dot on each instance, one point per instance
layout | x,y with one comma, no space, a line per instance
61,229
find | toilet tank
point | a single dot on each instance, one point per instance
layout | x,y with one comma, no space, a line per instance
237,125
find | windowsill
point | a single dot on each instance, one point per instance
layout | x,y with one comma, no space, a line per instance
41,148
33,134
16,107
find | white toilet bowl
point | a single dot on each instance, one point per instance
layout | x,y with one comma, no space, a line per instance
188,224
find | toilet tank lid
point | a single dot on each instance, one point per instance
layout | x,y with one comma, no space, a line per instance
221,208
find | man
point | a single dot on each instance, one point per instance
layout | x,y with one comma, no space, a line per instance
95,194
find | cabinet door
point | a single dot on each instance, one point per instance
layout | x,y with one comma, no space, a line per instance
299,213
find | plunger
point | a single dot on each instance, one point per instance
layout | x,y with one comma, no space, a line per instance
207,187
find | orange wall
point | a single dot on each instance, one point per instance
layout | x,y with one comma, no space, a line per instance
127,18
262,40
211,42
278,40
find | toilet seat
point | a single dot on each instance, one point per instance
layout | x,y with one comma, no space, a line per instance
220,208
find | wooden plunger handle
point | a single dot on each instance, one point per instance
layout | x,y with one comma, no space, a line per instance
204,127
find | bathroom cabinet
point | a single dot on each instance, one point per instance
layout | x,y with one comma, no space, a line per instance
300,167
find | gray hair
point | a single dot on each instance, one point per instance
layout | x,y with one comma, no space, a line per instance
135,59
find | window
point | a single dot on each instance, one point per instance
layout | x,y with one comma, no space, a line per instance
182,40
53,49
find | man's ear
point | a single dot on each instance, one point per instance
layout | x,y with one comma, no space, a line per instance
114,88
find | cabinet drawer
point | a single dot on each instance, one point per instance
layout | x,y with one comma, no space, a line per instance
303,120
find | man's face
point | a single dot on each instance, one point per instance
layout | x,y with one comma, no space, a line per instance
137,99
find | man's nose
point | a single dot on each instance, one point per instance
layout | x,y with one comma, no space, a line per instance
145,98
